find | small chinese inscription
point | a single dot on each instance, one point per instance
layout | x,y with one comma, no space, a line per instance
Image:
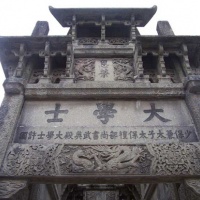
154,113
89,135
104,69
55,113
104,112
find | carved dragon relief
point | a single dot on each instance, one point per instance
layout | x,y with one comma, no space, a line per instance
116,159
61,159
84,69
123,69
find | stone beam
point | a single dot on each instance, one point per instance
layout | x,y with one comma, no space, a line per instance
80,164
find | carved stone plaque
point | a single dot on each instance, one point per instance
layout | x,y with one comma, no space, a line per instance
105,122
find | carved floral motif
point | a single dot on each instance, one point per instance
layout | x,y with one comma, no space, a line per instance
118,41
84,69
123,69
88,41
174,159
32,159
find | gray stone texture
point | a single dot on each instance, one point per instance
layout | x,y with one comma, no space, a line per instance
9,112
41,29
164,29
104,80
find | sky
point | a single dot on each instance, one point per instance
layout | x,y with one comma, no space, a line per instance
18,17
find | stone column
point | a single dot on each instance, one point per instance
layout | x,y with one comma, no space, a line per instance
9,115
192,86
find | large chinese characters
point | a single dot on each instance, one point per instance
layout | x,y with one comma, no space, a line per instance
105,122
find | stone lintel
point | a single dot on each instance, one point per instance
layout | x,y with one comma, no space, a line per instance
103,90
164,29
141,163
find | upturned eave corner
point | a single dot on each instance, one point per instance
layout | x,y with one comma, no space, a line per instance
64,15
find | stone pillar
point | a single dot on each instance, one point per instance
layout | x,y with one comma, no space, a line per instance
164,29
9,115
192,86
41,29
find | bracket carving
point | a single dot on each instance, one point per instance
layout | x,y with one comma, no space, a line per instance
103,28
69,60
22,54
138,61
185,60
161,62
8,188
74,28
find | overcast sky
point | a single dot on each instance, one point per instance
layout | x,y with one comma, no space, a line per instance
18,17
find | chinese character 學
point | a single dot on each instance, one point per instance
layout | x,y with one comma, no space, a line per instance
104,112
154,112
55,113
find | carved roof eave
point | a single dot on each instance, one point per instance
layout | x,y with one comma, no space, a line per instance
10,45
64,15
59,42
170,40
33,43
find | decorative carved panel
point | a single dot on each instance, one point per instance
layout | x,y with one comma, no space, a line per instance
172,74
152,75
84,69
175,159
118,41
58,159
123,69
57,74
88,41
36,75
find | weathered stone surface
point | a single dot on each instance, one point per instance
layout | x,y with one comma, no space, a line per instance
13,190
100,195
164,28
9,112
40,192
102,105
105,122
193,103
172,160
41,29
